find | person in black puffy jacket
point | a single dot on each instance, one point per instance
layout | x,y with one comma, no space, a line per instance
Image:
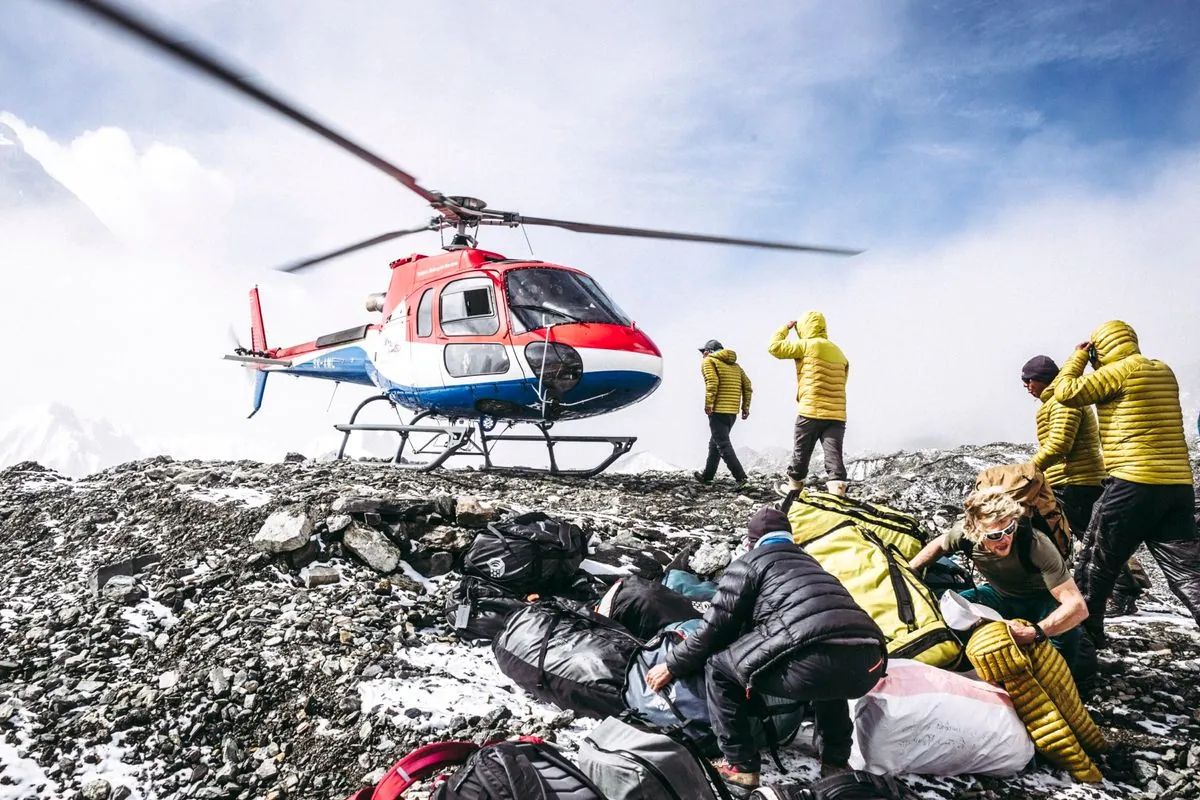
779,625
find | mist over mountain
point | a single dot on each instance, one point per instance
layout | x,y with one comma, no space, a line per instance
58,437
26,188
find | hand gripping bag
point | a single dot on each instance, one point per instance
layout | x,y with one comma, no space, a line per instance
563,653
926,720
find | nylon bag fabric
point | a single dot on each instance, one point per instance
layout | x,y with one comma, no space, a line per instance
813,514
1027,485
853,785
477,609
521,770
631,759
918,717
564,653
880,580
683,703
528,554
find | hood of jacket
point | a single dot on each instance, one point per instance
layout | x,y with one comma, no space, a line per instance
1114,340
812,326
726,355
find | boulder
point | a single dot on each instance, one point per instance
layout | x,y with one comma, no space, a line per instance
372,548
283,532
471,512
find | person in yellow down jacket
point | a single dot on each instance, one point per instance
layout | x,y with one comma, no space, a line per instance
727,391
1148,496
821,371
1068,455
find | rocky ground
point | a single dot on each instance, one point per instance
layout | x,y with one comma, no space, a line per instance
160,641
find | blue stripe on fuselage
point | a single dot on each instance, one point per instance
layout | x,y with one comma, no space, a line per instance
347,365
596,393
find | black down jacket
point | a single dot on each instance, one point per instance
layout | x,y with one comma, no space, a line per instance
772,601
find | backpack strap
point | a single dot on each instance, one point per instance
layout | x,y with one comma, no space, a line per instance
765,713
419,765
788,499
541,657
1023,543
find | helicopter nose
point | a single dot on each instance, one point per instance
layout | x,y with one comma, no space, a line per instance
618,366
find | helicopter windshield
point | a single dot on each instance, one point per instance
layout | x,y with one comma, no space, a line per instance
539,297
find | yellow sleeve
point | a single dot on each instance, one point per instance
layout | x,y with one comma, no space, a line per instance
782,347
747,390
1076,390
1060,438
711,381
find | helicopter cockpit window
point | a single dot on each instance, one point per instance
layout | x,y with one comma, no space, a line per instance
425,314
468,308
539,297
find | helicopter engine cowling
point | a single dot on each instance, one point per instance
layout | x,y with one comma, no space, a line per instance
375,301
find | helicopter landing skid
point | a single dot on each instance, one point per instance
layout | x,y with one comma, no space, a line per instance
439,442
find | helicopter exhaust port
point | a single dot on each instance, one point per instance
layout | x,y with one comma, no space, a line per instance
375,301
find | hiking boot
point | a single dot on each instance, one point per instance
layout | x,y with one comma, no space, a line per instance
699,476
739,782
828,769
742,486
1120,606
837,487
789,486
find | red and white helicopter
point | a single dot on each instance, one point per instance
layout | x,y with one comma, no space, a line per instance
468,339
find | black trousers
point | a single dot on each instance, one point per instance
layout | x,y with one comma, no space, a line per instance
1077,503
720,448
1126,515
831,433
827,675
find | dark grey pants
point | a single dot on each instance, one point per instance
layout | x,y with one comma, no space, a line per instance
721,449
1077,503
1126,515
830,433
827,675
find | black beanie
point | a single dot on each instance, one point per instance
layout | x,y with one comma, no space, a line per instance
768,520
1040,368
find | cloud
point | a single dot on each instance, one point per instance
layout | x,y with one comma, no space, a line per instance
785,122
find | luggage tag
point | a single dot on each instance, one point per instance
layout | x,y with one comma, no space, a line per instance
462,617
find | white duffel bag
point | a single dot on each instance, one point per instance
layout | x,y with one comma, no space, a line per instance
930,721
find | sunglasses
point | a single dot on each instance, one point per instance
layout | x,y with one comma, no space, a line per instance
996,536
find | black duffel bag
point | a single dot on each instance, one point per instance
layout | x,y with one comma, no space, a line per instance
851,785
521,770
563,653
528,554
477,609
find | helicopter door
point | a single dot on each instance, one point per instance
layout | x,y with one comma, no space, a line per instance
479,369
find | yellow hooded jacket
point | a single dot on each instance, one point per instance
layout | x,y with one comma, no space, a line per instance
821,368
1137,404
727,388
1068,444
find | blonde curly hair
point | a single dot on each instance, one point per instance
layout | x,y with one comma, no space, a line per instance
987,507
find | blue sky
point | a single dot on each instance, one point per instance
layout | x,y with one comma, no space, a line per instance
945,138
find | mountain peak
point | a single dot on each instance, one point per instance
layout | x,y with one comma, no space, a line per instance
57,436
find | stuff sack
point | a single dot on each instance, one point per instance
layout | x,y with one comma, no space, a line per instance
528,769
528,554
565,654
812,514
645,607
684,703
1027,485
853,785
630,759
477,610
422,763
880,580
918,719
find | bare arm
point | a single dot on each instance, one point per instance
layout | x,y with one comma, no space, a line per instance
929,553
1071,612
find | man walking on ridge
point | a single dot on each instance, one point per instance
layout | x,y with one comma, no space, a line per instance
1148,496
727,392
821,372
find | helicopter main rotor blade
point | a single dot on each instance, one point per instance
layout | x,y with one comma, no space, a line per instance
363,245
213,67
646,233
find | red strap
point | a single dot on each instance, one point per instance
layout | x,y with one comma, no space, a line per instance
415,767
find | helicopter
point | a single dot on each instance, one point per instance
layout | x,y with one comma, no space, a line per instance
471,342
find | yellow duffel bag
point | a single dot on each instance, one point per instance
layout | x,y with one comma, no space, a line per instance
815,513
881,581
1037,679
